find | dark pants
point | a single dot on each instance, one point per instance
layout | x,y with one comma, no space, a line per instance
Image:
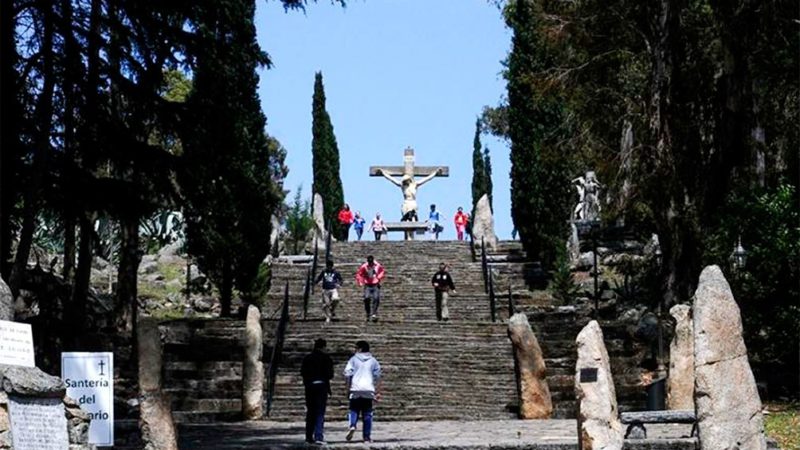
363,407
316,401
345,231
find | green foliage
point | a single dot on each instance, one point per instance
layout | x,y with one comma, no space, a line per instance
261,285
299,222
767,290
563,284
479,175
325,159
487,168
228,179
540,186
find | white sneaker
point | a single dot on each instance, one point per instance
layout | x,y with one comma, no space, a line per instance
350,433
327,320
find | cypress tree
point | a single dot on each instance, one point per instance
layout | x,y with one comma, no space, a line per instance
478,168
487,168
539,179
325,159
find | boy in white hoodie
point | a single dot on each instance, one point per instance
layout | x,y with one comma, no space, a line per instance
363,375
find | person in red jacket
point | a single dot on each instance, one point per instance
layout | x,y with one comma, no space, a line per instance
461,220
369,275
345,220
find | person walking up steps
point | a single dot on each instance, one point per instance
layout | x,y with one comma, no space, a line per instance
331,282
363,376
317,371
369,275
443,286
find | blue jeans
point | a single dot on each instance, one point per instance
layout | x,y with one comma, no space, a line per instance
316,401
364,407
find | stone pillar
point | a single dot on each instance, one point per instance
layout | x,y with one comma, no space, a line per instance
680,387
6,302
155,414
725,393
600,427
483,224
534,394
253,372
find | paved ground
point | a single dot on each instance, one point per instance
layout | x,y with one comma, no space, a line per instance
483,435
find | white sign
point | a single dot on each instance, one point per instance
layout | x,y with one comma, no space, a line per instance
90,381
16,344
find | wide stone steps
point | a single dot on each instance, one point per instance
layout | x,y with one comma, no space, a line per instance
431,371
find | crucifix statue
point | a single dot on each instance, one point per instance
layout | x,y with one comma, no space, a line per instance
407,182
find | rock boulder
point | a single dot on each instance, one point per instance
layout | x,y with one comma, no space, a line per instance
6,302
535,401
253,369
483,223
725,394
600,427
680,384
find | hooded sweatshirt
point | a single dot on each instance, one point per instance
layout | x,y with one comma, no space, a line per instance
364,371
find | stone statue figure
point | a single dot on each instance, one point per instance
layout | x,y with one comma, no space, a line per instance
409,187
588,207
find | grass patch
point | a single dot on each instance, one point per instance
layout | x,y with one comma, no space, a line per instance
783,424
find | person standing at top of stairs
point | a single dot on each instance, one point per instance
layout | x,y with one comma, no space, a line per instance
345,220
369,276
317,372
331,282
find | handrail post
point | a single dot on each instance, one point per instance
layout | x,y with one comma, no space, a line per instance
306,292
277,349
492,300
511,309
484,267
328,241
314,261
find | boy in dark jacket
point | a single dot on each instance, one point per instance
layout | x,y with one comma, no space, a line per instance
442,286
317,371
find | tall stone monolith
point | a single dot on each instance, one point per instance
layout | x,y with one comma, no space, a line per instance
534,394
155,416
253,369
600,427
680,384
726,398
483,223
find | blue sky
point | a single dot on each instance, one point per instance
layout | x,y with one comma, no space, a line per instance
397,73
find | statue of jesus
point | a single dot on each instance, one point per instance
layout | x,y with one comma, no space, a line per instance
409,187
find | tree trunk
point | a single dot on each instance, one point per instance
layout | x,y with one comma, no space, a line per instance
130,257
70,79
11,112
44,122
226,290
77,310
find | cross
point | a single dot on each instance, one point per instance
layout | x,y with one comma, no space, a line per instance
408,168
101,364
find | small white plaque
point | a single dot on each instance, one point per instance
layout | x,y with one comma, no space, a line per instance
90,382
16,344
38,423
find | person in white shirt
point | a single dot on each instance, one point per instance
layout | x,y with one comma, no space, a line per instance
363,376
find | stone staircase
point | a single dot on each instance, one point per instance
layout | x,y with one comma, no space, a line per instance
462,369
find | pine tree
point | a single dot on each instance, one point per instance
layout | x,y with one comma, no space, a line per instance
325,159
539,179
479,185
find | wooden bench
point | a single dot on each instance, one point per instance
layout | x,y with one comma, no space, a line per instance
636,421
416,227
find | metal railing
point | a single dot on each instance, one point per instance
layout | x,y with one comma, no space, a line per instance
484,267
511,309
307,292
314,264
277,348
492,299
